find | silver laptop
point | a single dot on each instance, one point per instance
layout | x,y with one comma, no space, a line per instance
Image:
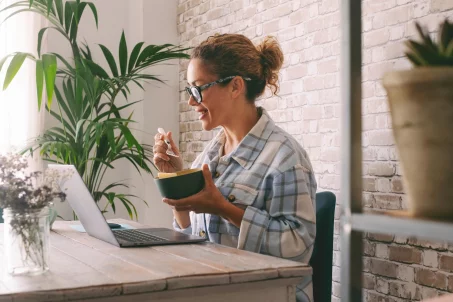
95,224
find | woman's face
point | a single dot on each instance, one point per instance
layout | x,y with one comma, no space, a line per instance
216,104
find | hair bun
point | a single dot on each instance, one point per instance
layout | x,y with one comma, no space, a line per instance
272,60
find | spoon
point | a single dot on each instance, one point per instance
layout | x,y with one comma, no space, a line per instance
169,150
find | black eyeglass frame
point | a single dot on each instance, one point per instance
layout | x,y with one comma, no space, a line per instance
206,86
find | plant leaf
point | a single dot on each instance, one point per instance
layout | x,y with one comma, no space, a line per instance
95,13
40,35
426,38
49,6
445,35
79,128
111,137
59,7
58,118
2,62
134,55
123,54
70,68
96,69
39,81
413,59
110,60
13,68
68,15
50,71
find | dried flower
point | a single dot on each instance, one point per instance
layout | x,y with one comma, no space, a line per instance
21,192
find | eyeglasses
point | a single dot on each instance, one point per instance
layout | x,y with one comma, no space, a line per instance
195,91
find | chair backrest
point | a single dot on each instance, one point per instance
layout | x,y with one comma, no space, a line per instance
321,259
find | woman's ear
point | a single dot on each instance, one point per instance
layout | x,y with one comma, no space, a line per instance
238,87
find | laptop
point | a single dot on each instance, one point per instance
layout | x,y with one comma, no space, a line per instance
95,225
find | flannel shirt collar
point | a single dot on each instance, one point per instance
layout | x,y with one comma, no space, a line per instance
251,145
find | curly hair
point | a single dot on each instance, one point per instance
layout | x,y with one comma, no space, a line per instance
234,54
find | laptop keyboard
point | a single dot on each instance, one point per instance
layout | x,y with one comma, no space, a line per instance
137,236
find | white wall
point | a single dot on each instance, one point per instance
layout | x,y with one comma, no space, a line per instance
155,23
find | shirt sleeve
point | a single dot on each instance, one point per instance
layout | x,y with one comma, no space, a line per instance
187,230
288,229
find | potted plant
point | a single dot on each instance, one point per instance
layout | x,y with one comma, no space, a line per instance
93,131
421,107
25,199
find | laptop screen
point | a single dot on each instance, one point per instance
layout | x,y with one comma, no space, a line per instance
83,204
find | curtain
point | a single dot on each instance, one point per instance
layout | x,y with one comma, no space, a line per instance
20,120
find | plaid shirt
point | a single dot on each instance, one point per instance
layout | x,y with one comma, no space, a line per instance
270,176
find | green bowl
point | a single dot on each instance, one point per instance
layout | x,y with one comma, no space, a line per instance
181,184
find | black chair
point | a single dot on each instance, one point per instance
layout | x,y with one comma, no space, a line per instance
321,259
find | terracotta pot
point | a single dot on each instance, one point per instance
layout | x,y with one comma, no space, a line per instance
421,107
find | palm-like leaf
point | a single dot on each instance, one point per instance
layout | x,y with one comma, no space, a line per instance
93,132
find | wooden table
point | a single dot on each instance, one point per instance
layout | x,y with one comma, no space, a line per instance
83,268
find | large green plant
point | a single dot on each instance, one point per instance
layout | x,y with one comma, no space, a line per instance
93,131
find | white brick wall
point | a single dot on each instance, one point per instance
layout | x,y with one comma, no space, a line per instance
308,108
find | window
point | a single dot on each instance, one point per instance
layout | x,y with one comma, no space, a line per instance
19,117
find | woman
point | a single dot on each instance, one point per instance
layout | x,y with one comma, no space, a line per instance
260,187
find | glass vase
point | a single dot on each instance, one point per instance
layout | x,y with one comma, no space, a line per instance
26,241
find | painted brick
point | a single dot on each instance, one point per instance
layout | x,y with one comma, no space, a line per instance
406,273
446,263
397,32
384,268
296,72
271,27
403,290
369,281
372,7
366,264
377,37
369,184
405,254
430,278
383,185
369,248
430,258
379,138
382,251
380,237
440,246
328,6
450,283
382,285
441,5
387,201
397,185
376,297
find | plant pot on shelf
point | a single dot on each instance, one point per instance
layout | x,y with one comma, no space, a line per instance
421,107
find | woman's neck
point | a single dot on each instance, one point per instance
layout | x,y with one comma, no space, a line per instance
238,127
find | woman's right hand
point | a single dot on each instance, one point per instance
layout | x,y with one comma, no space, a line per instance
164,162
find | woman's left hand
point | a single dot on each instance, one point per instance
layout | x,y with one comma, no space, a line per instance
208,200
